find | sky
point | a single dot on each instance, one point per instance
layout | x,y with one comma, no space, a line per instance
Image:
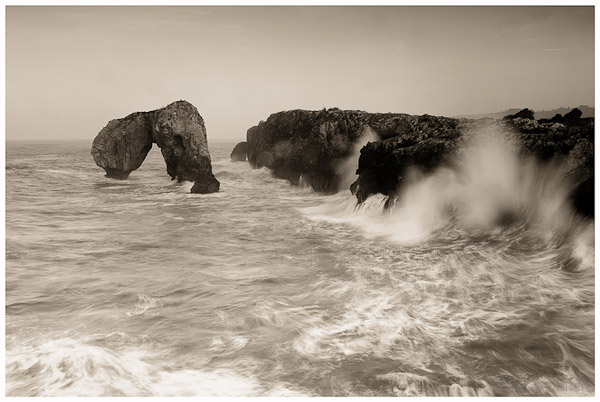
69,70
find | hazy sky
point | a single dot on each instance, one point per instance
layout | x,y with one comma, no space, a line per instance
69,70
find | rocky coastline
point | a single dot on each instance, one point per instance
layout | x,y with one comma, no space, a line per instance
306,146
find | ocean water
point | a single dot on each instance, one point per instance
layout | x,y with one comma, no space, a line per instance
480,281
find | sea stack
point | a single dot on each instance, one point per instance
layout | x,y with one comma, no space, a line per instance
177,129
239,152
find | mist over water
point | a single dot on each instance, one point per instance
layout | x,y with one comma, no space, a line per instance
479,281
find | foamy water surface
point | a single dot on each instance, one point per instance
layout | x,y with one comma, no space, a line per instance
139,288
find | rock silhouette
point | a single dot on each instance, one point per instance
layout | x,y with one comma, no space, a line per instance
523,114
239,152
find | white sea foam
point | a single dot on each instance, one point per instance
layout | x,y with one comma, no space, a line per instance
70,367
145,304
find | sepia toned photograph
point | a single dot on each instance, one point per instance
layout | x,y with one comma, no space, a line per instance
341,200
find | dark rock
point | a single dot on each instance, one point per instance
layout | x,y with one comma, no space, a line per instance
206,183
121,146
425,143
558,118
580,167
523,114
239,152
179,132
310,144
572,116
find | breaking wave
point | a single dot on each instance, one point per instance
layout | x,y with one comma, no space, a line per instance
488,186
70,367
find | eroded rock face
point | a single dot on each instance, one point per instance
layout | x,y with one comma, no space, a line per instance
121,146
179,132
308,146
239,152
423,142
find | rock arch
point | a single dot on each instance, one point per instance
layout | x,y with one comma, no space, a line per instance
177,129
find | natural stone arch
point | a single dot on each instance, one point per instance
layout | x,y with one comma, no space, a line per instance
177,129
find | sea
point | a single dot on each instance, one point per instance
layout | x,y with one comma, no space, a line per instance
479,281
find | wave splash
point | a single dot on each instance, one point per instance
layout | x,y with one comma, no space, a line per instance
488,185
346,169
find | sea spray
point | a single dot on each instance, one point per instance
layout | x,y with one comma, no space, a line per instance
487,184
346,169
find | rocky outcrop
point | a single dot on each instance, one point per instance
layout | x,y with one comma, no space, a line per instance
423,142
307,146
239,152
523,114
177,129
382,165
573,115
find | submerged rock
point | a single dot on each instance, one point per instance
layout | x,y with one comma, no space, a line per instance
177,129
239,152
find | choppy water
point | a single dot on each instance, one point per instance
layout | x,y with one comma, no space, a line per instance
140,288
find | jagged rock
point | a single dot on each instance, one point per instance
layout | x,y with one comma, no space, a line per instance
523,114
425,142
523,124
239,152
573,115
310,144
177,129
580,167
382,165
205,183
